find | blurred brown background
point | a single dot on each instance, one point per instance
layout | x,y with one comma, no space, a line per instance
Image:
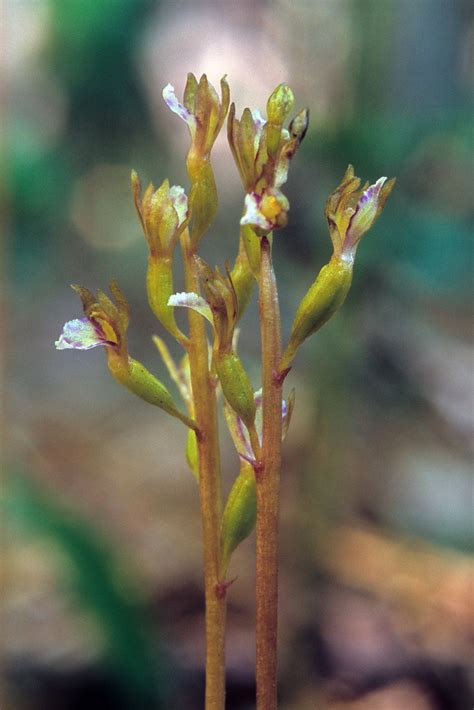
101,577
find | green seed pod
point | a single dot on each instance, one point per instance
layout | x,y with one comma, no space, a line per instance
192,454
239,515
236,386
323,299
159,284
135,377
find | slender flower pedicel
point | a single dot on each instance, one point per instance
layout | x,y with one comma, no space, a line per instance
210,367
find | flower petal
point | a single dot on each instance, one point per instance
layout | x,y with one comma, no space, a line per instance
79,334
180,202
239,434
252,215
364,215
192,300
238,430
259,123
178,108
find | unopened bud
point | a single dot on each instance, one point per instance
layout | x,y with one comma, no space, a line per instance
299,125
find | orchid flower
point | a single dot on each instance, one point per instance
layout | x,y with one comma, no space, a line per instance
351,211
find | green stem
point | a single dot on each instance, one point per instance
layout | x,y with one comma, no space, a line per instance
204,397
268,485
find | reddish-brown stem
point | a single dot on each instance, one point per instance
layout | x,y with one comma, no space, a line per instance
204,397
268,485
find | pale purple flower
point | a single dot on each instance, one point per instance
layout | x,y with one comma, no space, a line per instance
363,216
259,123
79,334
252,214
180,202
267,211
178,108
238,430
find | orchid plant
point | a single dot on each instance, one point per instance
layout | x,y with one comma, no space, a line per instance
210,368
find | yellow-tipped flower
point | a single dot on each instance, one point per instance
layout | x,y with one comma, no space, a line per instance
163,214
106,324
222,299
204,115
201,110
262,150
350,211
267,211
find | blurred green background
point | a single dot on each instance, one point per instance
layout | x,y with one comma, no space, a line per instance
101,578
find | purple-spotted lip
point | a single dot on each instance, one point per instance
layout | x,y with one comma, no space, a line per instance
253,214
363,216
81,334
177,107
372,192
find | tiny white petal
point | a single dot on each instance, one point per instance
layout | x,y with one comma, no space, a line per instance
178,108
259,122
253,215
78,334
239,434
281,172
363,216
192,300
180,202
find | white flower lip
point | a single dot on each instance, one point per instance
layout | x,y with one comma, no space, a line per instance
252,215
178,108
191,300
79,334
363,216
180,202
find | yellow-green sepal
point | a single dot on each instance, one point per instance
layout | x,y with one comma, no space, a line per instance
324,297
279,106
240,513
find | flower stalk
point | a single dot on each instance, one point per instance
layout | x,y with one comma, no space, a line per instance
257,419
204,397
268,487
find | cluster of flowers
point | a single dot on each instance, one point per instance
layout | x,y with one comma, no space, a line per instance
262,149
